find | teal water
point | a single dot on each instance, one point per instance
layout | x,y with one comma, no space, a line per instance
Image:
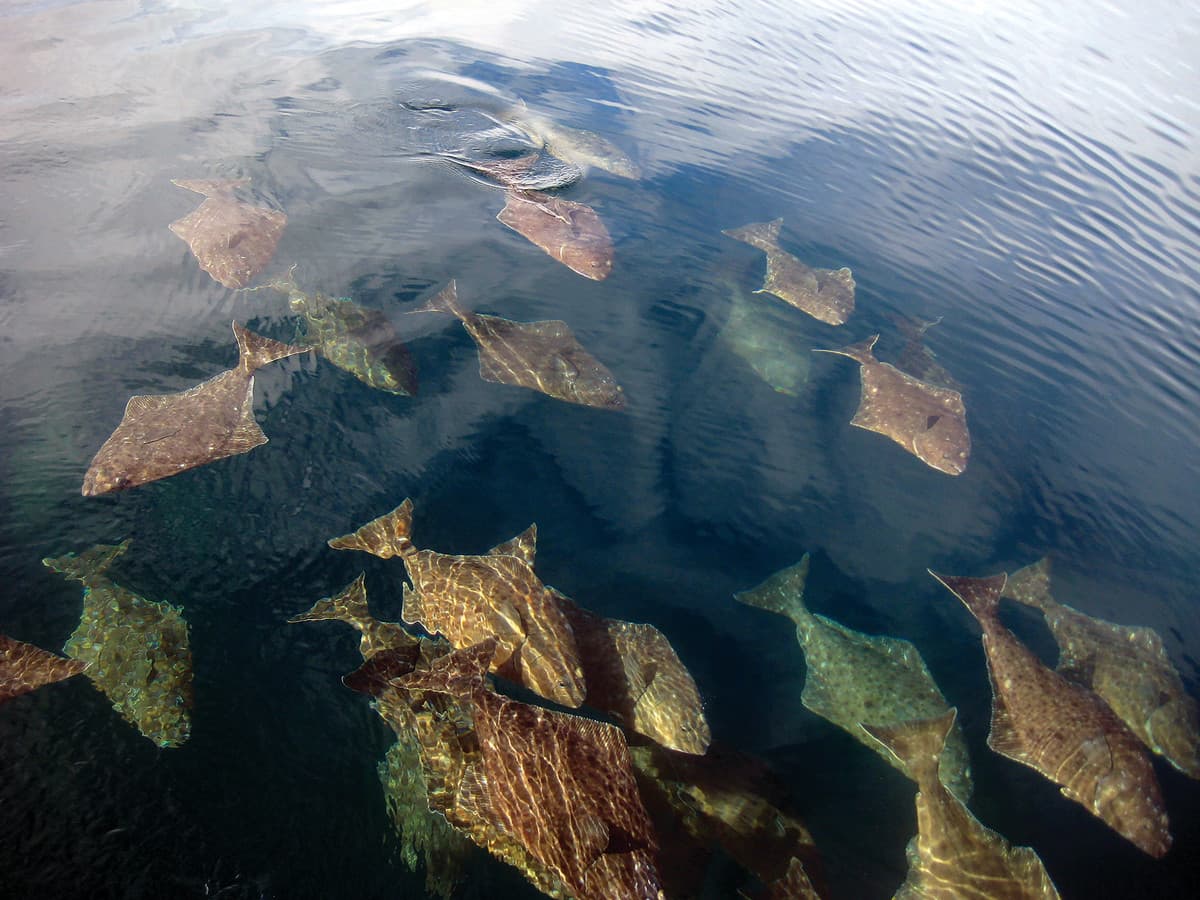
1029,175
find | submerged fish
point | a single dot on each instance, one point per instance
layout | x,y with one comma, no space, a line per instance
350,606
953,855
164,434
232,240
468,599
1063,730
766,344
1127,666
572,145
825,294
357,340
929,422
918,360
25,668
529,172
855,679
570,232
542,356
136,650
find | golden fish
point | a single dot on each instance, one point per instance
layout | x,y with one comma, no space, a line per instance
232,240
568,231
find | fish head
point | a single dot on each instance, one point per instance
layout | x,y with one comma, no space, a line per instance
591,259
1173,728
599,389
944,444
102,479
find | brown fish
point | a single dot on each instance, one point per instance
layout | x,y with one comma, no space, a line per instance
25,668
1062,729
232,240
953,855
542,356
350,606
1127,666
531,172
929,422
561,785
164,434
825,294
570,232
468,599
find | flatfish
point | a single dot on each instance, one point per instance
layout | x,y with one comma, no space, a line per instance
929,422
953,855
350,606
164,434
25,667
232,240
855,678
542,356
570,232
1127,666
825,294
766,344
1064,730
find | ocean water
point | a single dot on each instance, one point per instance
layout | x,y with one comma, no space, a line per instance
1028,174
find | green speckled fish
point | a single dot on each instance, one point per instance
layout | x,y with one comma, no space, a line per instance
137,650
858,678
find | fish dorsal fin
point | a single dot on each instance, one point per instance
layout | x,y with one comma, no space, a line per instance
523,546
444,301
860,352
88,565
385,537
349,606
256,351
140,404
1003,736
916,744
247,434
781,593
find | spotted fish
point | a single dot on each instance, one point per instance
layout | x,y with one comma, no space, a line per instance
1063,730
568,231
232,240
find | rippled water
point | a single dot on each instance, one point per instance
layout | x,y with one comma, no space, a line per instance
1028,174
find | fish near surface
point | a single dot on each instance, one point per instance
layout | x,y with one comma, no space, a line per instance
915,358
542,356
1127,666
929,422
350,606
953,855
164,434
530,172
568,231
825,294
574,146
25,668
1062,729
357,340
468,599
232,240
855,679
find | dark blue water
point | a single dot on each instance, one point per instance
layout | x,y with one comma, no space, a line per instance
1028,175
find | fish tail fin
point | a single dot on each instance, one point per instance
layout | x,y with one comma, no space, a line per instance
763,235
255,351
860,352
917,744
385,537
349,606
981,596
781,593
285,285
87,566
1031,586
444,301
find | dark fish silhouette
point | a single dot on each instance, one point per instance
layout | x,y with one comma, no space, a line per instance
570,232
232,240
350,606
770,346
468,599
915,358
1062,729
542,356
929,422
854,678
552,793
825,294
953,855
25,668
137,650
358,340
164,434
1127,666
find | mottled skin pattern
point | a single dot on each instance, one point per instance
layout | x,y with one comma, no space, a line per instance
953,856
569,232
468,599
825,294
25,668
1062,729
137,651
232,240
541,356
164,434
563,786
855,678
350,606
929,422
1127,666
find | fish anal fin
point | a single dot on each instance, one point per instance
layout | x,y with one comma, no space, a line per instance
1003,736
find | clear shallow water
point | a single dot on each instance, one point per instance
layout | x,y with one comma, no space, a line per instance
1029,175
